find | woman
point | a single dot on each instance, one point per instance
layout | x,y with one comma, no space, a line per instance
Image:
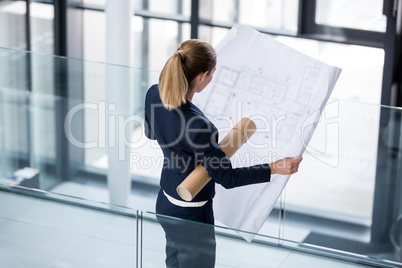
188,138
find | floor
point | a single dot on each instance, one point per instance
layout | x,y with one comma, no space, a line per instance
41,233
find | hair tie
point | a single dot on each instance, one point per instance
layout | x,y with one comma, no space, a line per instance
181,53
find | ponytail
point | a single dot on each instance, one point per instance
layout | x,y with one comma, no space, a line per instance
173,84
192,58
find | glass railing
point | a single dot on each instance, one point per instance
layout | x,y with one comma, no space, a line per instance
56,122
232,250
34,222
37,232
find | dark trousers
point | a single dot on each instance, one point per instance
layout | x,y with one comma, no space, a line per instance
189,243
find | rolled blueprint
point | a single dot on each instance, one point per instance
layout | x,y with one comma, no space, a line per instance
197,179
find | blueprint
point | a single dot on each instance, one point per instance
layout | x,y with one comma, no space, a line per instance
284,92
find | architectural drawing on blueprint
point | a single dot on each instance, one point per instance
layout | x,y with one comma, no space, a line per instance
254,92
278,88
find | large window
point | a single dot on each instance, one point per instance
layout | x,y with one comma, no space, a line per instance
357,14
34,33
13,20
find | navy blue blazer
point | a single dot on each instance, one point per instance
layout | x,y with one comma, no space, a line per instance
188,138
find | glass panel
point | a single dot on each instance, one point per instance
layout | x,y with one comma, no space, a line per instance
219,11
55,111
143,152
94,42
337,177
84,233
173,7
42,21
13,24
342,183
162,236
103,235
267,14
171,240
139,36
270,14
95,2
44,134
212,35
94,95
388,187
43,1
164,38
355,14
165,6
14,113
362,67
147,37
39,114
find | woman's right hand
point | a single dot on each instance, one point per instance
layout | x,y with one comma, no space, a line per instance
286,166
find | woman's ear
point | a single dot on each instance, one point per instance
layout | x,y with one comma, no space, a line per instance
204,76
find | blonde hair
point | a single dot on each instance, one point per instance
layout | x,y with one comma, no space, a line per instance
191,58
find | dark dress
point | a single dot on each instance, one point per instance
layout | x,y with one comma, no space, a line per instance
188,138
